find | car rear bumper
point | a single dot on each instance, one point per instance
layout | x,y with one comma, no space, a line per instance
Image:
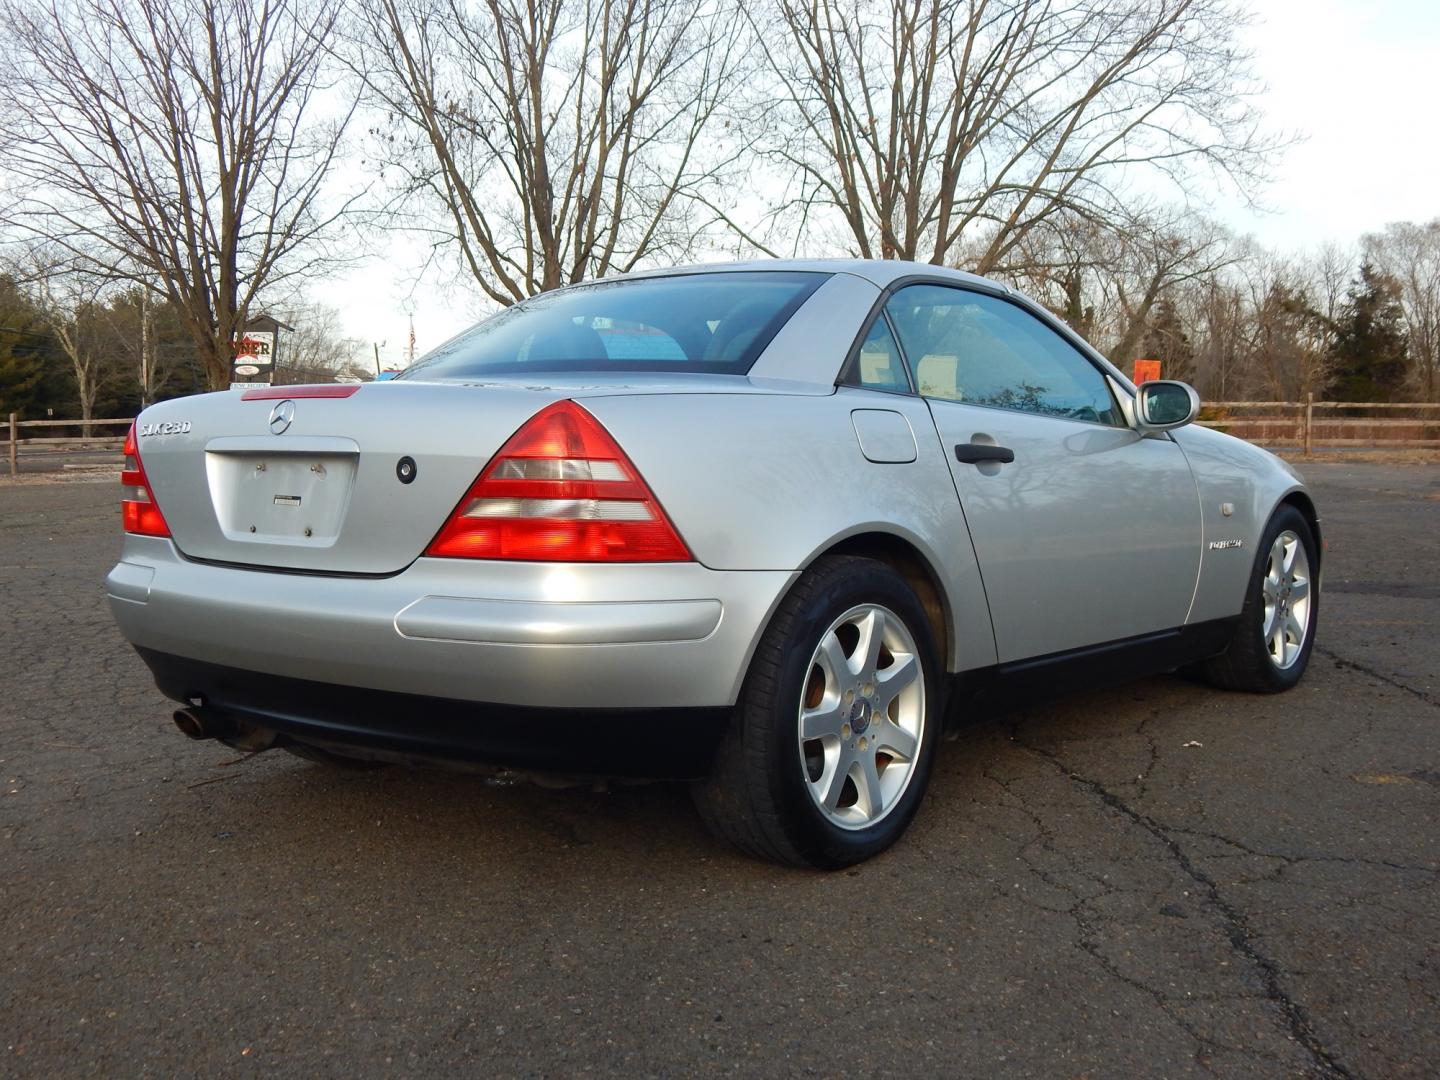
533,635
639,743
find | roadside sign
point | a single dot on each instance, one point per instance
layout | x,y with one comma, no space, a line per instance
254,357
1146,371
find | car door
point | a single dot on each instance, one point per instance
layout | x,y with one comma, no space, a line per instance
1086,532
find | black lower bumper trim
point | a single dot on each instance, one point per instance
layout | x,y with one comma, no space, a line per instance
639,743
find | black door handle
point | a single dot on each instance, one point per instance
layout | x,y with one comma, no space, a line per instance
973,453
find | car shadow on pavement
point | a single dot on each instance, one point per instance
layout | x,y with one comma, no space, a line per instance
408,818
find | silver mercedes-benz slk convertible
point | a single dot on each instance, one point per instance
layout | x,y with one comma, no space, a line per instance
753,525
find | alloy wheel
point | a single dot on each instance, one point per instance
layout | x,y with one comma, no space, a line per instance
1285,589
861,716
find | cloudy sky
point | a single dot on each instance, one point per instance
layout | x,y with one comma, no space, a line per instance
1355,80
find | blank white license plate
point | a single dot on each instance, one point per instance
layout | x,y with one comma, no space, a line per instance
295,497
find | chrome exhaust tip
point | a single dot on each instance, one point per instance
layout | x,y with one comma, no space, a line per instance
190,724
202,723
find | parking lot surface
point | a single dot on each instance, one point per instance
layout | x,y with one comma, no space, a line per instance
1157,880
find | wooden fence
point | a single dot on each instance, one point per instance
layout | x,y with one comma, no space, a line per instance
1335,425
87,439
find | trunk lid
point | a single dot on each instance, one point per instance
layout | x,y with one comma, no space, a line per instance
358,484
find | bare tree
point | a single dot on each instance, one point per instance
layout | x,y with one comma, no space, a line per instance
74,328
71,305
172,143
151,339
1264,327
546,141
1107,280
1158,256
1069,266
922,125
1283,346
314,348
1222,339
1410,254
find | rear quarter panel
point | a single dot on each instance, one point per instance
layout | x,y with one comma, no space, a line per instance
770,482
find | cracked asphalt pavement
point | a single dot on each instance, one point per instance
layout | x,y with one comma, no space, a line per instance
1160,880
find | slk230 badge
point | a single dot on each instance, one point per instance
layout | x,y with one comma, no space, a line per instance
176,427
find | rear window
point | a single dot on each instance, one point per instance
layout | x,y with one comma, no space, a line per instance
690,322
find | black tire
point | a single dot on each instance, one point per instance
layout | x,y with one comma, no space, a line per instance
329,757
757,796
1246,663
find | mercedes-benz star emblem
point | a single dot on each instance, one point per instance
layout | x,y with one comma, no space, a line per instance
860,716
280,417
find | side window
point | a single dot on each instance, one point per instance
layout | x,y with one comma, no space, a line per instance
978,349
878,366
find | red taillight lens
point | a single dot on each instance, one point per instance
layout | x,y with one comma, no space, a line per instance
560,490
139,513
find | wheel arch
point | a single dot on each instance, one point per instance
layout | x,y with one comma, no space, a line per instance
1301,501
910,563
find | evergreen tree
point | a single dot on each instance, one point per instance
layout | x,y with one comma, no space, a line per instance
22,373
1165,340
31,376
1370,342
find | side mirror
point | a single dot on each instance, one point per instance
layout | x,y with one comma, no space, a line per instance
1164,404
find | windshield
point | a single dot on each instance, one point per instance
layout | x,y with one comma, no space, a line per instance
718,322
